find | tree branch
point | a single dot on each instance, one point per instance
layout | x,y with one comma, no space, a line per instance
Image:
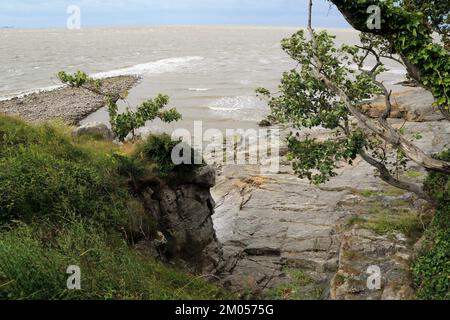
387,177
397,24
382,129
387,133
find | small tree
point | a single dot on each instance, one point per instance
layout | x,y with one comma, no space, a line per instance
325,91
128,122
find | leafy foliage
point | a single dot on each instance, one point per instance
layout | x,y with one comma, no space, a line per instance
438,184
328,90
157,149
128,122
410,36
317,160
437,14
65,202
78,79
305,102
431,271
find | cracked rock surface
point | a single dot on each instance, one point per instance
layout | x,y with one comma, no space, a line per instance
273,226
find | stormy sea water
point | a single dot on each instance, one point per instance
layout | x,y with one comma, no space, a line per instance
210,73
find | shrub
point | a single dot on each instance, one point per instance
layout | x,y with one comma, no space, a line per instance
438,184
78,79
157,149
431,271
129,121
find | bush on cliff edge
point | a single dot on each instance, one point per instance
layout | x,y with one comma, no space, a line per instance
65,202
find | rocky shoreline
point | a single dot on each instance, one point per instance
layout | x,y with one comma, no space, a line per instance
70,105
277,236
285,238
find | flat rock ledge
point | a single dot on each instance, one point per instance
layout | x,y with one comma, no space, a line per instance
415,105
285,238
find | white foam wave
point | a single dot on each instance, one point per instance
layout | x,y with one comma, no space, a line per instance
199,89
228,104
239,108
229,109
155,67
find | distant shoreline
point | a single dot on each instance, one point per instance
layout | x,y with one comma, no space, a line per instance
70,105
341,29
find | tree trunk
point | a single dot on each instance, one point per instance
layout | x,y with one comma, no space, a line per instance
387,177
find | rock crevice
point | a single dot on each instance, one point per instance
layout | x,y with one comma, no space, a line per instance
281,234
182,213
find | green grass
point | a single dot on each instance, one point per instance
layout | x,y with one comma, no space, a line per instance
31,267
300,287
414,174
392,220
45,174
387,221
356,220
68,202
388,192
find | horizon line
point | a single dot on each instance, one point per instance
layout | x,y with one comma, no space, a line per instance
176,25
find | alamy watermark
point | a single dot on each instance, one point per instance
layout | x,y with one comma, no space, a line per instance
374,279
374,20
235,147
74,280
74,19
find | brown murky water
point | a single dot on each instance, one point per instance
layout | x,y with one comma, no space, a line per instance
210,73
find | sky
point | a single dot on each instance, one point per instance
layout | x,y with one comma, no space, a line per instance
95,13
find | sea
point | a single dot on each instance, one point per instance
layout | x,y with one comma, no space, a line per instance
210,73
